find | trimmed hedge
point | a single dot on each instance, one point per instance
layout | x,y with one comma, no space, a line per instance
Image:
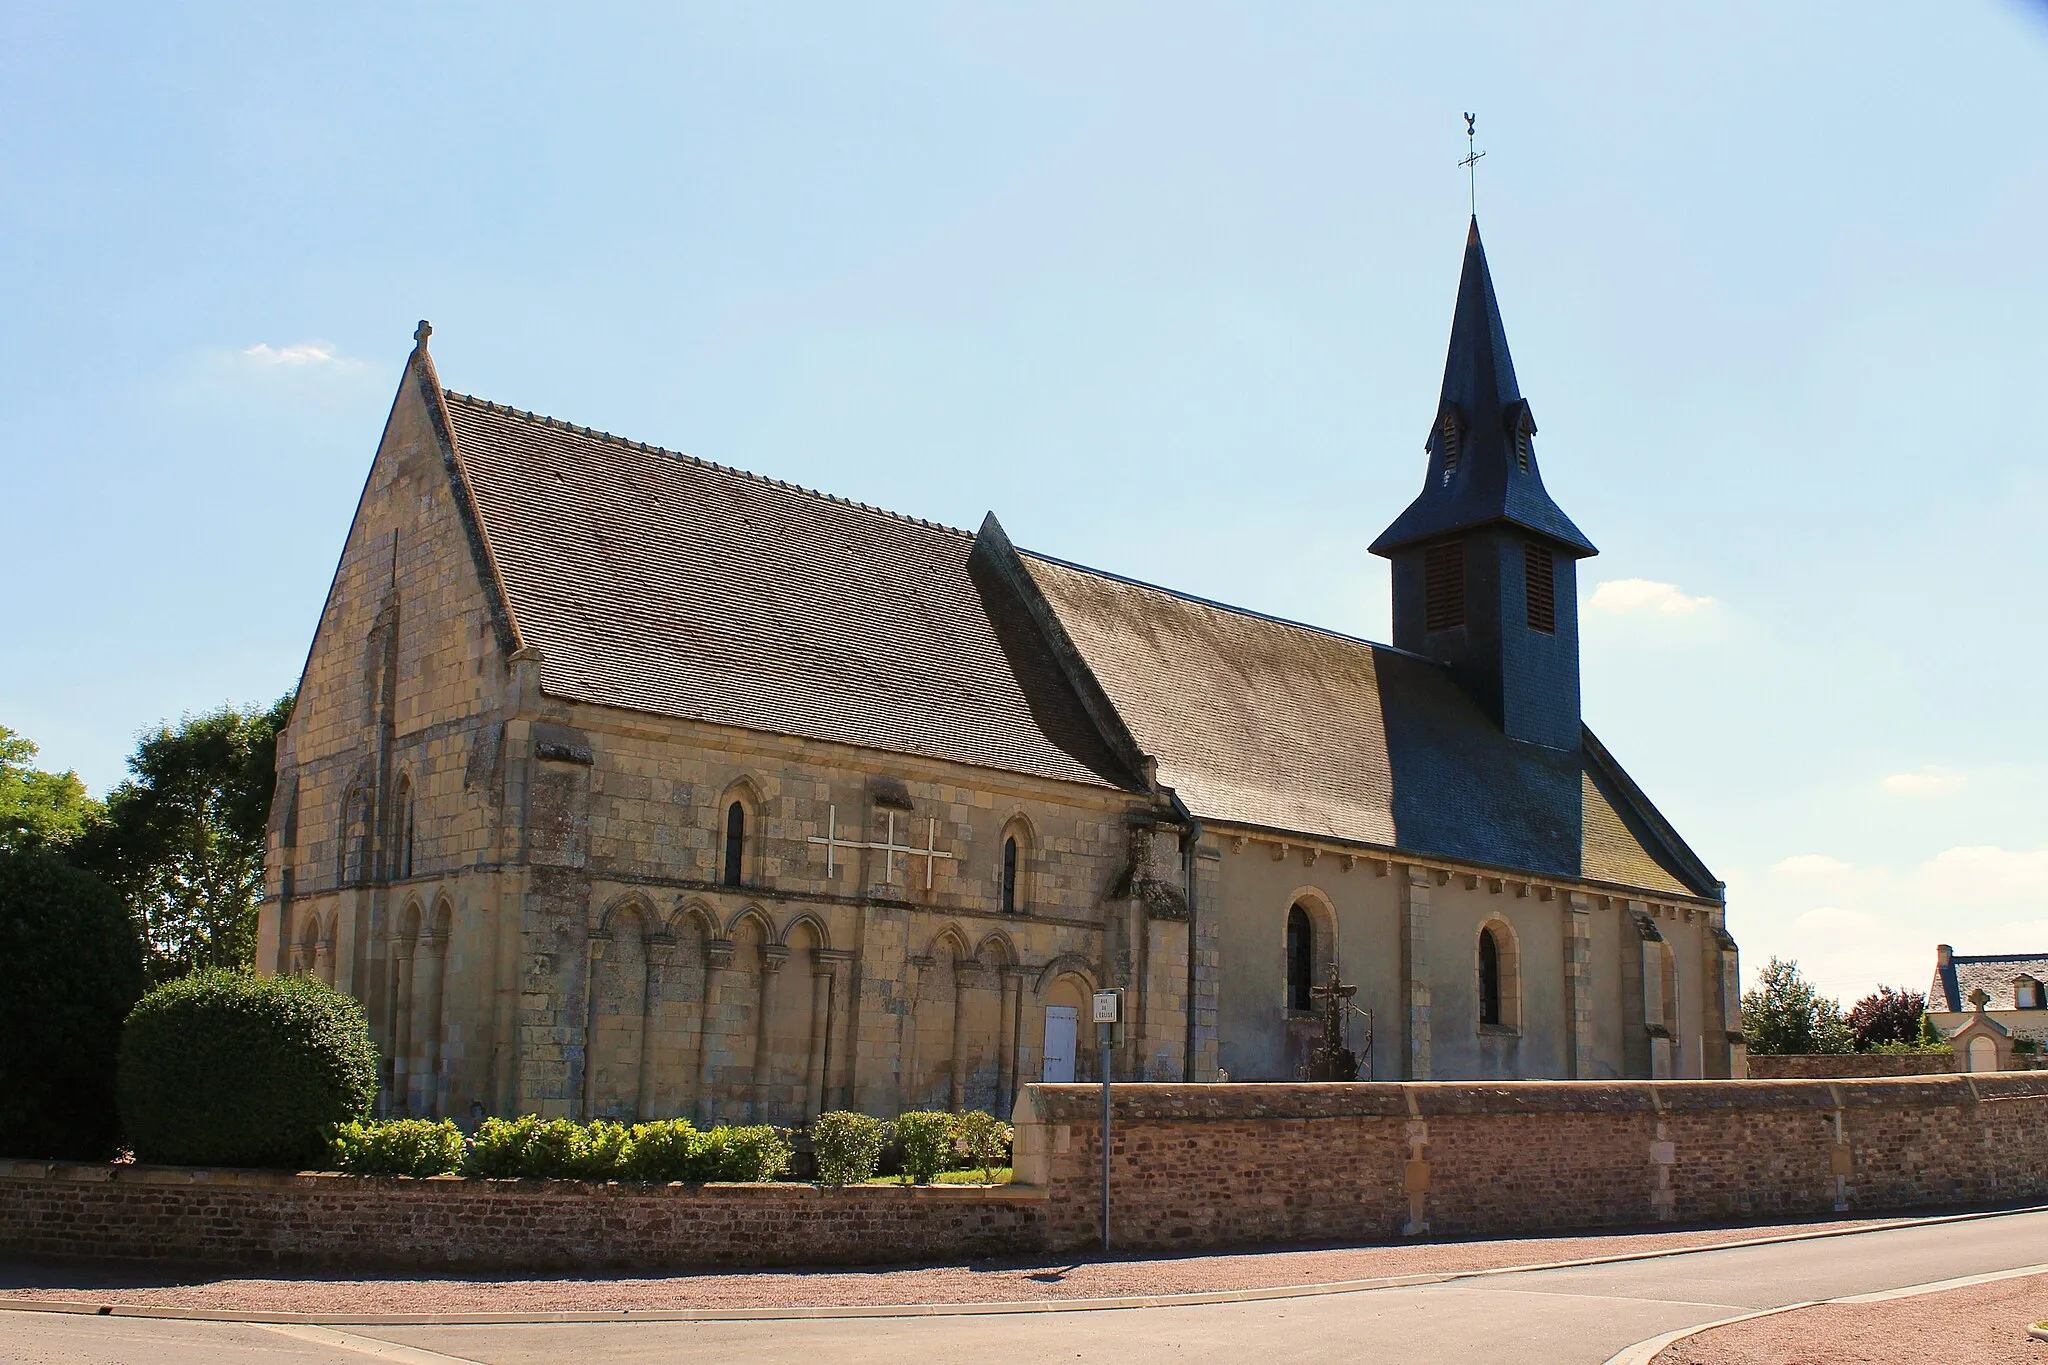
656,1153
399,1147
226,1068
70,970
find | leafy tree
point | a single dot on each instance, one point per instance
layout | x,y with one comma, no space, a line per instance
182,840
1785,1015
1887,1015
70,970
38,807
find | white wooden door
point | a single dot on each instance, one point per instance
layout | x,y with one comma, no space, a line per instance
1983,1055
1062,1030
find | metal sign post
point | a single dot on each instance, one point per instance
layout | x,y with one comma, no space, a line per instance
1108,1014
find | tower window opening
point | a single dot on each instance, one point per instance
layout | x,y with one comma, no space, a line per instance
1443,586
1010,875
1522,449
1540,577
1447,445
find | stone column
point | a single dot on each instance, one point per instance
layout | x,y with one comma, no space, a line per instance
650,1001
596,945
910,1091
1578,985
426,1019
323,961
717,957
821,1025
773,955
1415,901
966,975
401,1026
1006,1065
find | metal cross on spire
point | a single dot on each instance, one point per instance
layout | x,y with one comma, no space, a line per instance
1471,161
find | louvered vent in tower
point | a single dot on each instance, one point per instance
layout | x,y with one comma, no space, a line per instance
1539,572
1522,449
1443,586
1447,445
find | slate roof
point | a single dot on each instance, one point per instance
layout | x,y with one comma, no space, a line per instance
1994,973
662,583
657,582
1270,723
1490,482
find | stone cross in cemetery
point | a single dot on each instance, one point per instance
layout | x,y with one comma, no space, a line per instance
1332,1060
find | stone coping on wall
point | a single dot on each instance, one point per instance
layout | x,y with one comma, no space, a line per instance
522,1188
1149,1102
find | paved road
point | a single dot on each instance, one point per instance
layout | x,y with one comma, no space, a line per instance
1529,1318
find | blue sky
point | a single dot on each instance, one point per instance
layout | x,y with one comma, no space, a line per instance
1167,287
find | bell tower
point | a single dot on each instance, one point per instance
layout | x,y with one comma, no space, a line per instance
1485,564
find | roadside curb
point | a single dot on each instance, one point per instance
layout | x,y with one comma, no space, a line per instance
1644,1352
97,1308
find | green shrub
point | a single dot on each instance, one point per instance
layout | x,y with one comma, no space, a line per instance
606,1147
497,1151
847,1147
399,1147
987,1140
662,1151
70,970
753,1153
558,1150
926,1138
225,1068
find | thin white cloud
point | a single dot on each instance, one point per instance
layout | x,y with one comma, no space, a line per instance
1986,874
301,353
1835,919
1929,781
1811,865
1630,596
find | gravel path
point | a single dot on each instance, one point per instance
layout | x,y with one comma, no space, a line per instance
1984,1324
978,1282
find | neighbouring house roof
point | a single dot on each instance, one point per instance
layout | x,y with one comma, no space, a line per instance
1996,974
657,582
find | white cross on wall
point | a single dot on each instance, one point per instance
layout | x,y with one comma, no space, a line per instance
888,848
832,842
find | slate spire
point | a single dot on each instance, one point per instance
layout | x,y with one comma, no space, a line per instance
1482,461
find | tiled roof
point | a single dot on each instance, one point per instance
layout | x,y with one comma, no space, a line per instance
1994,974
662,583
657,582
1269,723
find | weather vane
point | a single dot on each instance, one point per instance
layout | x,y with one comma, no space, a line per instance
1471,161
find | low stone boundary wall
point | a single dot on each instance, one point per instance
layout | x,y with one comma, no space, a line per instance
1224,1165
1821,1066
446,1223
1192,1167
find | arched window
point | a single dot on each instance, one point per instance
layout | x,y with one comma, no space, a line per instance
735,841
1489,978
1010,875
1301,957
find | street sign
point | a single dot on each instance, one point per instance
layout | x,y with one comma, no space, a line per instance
1106,1003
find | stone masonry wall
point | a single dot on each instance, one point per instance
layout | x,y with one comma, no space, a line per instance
1193,1167
1209,1166
1825,1067
259,1218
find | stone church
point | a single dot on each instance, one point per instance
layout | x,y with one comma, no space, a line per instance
623,783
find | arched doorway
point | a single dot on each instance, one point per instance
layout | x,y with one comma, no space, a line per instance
1983,1054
